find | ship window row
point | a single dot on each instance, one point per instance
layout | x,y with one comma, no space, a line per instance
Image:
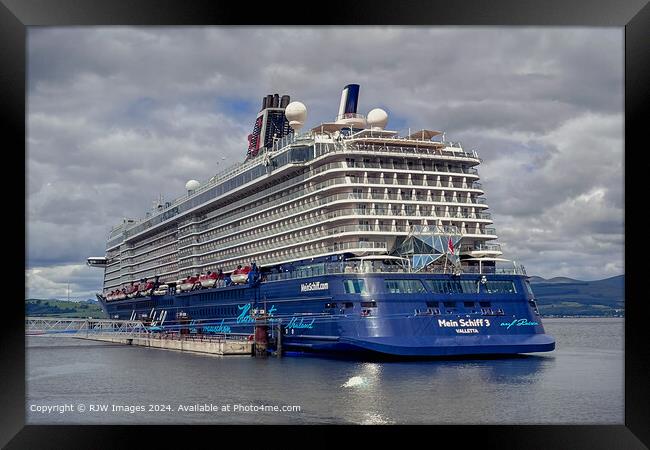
455,177
419,164
169,268
484,308
403,148
163,233
166,259
436,182
142,251
250,208
457,212
342,305
224,218
167,250
405,286
436,304
203,197
290,240
235,182
353,286
314,218
471,287
304,235
300,252
272,194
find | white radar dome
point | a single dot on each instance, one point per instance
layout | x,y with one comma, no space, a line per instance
377,118
296,114
192,185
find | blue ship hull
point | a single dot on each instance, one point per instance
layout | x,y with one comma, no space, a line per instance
318,314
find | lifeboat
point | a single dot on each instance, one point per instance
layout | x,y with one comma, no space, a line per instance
187,284
132,290
208,280
145,288
163,289
240,275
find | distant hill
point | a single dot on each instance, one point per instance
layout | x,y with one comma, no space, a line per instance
63,308
555,280
562,296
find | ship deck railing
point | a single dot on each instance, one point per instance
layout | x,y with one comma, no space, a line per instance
238,168
193,227
347,268
321,218
319,232
324,232
329,182
361,267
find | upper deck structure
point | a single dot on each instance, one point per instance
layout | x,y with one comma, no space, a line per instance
341,190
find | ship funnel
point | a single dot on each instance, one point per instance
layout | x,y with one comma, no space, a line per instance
348,108
284,101
349,100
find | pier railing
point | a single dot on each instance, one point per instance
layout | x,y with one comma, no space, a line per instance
63,326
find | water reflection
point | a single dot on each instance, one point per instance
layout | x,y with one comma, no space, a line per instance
558,387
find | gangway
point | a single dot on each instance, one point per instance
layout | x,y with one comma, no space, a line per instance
67,327
135,332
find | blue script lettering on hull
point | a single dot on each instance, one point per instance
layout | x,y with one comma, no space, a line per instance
519,323
294,323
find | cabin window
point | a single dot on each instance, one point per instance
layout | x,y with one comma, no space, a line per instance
485,304
349,304
368,304
355,286
432,304
405,287
500,287
468,304
330,305
449,304
451,286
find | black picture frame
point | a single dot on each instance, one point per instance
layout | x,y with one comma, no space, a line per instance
633,15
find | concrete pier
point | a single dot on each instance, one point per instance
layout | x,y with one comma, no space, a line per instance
211,345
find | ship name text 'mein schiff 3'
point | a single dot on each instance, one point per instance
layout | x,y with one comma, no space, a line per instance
347,235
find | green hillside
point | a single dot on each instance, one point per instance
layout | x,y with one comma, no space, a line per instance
568,297
61,308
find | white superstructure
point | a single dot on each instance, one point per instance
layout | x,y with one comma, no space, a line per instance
346,187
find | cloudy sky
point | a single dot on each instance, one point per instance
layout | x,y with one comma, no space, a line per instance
118,116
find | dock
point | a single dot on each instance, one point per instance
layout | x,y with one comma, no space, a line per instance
195,344
132,332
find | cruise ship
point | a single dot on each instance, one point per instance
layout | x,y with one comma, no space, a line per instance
347,237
